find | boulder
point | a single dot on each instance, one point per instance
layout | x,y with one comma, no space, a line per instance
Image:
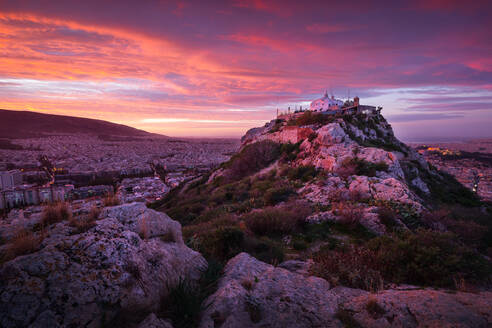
90,278
138,218
152,321
393,189
330,134
255,294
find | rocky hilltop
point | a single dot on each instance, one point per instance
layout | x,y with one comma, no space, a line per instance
356,224
318,221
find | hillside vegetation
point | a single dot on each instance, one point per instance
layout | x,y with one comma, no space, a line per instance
346,193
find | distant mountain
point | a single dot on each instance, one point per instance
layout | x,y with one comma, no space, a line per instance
25,124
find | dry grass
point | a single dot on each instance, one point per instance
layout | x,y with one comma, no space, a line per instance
353,268
84,223
56,212
247,284
143,230
111,200
349,215
375,310
24,242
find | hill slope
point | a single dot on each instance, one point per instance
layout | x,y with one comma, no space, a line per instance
24,124
343,191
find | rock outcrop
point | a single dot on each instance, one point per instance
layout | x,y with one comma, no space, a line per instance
361,159
254,294
124,264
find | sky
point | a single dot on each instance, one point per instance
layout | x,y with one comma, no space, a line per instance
218,68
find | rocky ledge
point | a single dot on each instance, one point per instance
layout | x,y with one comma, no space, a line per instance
255,294
123,266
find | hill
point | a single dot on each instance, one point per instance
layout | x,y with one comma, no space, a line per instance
25,124
344,192
357,229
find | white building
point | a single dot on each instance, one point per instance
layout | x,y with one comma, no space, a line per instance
326,103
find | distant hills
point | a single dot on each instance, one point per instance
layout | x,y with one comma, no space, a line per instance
25,124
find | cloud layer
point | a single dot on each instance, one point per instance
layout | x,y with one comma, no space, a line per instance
215,69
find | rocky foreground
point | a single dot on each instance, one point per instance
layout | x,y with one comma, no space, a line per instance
318,223
254,294
124,266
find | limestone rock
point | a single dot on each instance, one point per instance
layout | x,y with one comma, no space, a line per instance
138,218
89,278
330,134
422,308
421,185
151,321
255,294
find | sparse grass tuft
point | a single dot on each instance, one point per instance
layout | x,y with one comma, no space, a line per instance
111,200
24,242
185,301
84,223
56,212
375,310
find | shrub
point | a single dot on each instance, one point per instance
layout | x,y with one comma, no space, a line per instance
388,217
264,250
273,221
303,173
444,188
220,244
310,117
427,258
252,158
424,258
363,167
353,268
290,151
56,212
277,194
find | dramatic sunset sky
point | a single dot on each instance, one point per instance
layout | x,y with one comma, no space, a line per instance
211,68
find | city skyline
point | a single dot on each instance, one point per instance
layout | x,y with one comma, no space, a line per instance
215,70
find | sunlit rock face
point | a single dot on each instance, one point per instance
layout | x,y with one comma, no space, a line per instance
121,265
360,157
